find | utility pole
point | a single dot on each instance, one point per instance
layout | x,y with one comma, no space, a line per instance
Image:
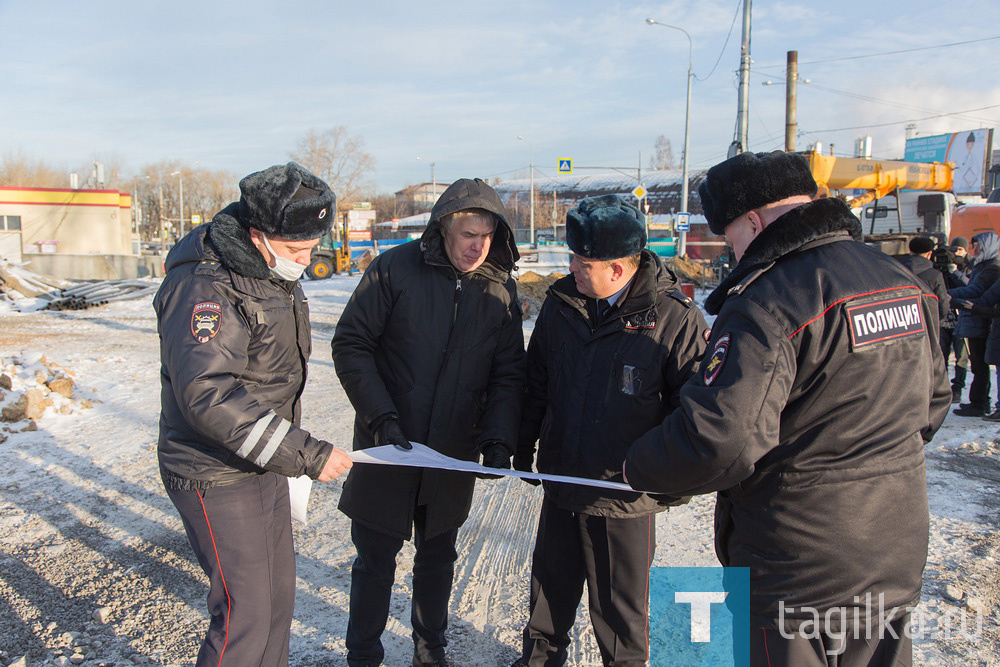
741,141
531,199
791,80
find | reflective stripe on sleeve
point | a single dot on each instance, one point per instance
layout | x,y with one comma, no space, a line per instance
255,433
272,444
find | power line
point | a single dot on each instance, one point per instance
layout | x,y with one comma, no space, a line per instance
886,53
900,122
724,44
899,105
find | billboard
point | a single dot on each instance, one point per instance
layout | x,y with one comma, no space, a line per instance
969,150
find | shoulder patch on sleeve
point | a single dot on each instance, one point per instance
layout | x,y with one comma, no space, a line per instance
883,320
716,359
206,321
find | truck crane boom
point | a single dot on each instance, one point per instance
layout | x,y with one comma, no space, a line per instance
878,177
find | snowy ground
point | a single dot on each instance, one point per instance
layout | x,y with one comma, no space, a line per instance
86,525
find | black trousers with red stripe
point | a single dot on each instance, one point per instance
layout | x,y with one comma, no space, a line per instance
242,536
613,556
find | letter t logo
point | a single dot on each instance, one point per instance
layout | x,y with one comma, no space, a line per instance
701,611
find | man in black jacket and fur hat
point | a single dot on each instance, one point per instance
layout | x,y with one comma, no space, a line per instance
234,340
429,349
822,382
612,346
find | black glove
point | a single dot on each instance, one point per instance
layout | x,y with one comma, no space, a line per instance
522,461
495,455
388,432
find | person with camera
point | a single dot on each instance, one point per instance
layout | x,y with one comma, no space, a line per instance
919,263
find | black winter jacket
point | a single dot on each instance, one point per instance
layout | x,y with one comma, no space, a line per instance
592,391
924,269
823,380
233,350
445,352
981,278
987,307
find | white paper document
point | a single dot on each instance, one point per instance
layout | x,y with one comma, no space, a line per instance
298,496
422,456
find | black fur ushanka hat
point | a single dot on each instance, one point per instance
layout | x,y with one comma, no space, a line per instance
605,227
287,201
751,180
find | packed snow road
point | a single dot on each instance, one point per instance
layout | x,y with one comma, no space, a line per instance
95,568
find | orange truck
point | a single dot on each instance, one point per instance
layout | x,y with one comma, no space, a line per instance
973,219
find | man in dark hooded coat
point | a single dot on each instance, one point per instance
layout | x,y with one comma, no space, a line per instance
429,349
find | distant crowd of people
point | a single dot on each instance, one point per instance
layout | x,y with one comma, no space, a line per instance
966,279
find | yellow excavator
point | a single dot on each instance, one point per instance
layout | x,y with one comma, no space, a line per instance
331,255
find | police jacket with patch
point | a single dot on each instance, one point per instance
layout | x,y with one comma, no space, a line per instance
822,381
445,352
592,390
233,351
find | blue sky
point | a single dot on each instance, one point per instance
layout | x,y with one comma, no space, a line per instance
235,85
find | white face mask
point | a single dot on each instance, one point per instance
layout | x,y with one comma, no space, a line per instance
284,269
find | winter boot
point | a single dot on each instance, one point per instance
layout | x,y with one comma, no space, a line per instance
970,410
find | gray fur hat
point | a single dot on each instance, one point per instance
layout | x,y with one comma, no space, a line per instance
749,181
287,201
605,227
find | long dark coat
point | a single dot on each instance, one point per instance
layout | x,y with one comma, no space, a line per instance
445,352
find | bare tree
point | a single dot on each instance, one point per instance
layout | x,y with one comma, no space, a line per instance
19,171
663,154
339,159
156,191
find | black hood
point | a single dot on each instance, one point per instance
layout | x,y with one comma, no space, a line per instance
223,240
472,193
794,229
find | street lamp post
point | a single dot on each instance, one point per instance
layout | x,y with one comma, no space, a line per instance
180,181
531,193
682,241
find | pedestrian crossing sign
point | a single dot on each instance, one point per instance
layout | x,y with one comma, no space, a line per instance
565,165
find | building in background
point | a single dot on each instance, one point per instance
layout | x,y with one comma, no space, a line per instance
418,198
71,234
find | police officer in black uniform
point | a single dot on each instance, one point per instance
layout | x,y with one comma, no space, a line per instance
822,382
612,346
234,340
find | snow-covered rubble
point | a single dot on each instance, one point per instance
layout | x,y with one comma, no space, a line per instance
30,388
